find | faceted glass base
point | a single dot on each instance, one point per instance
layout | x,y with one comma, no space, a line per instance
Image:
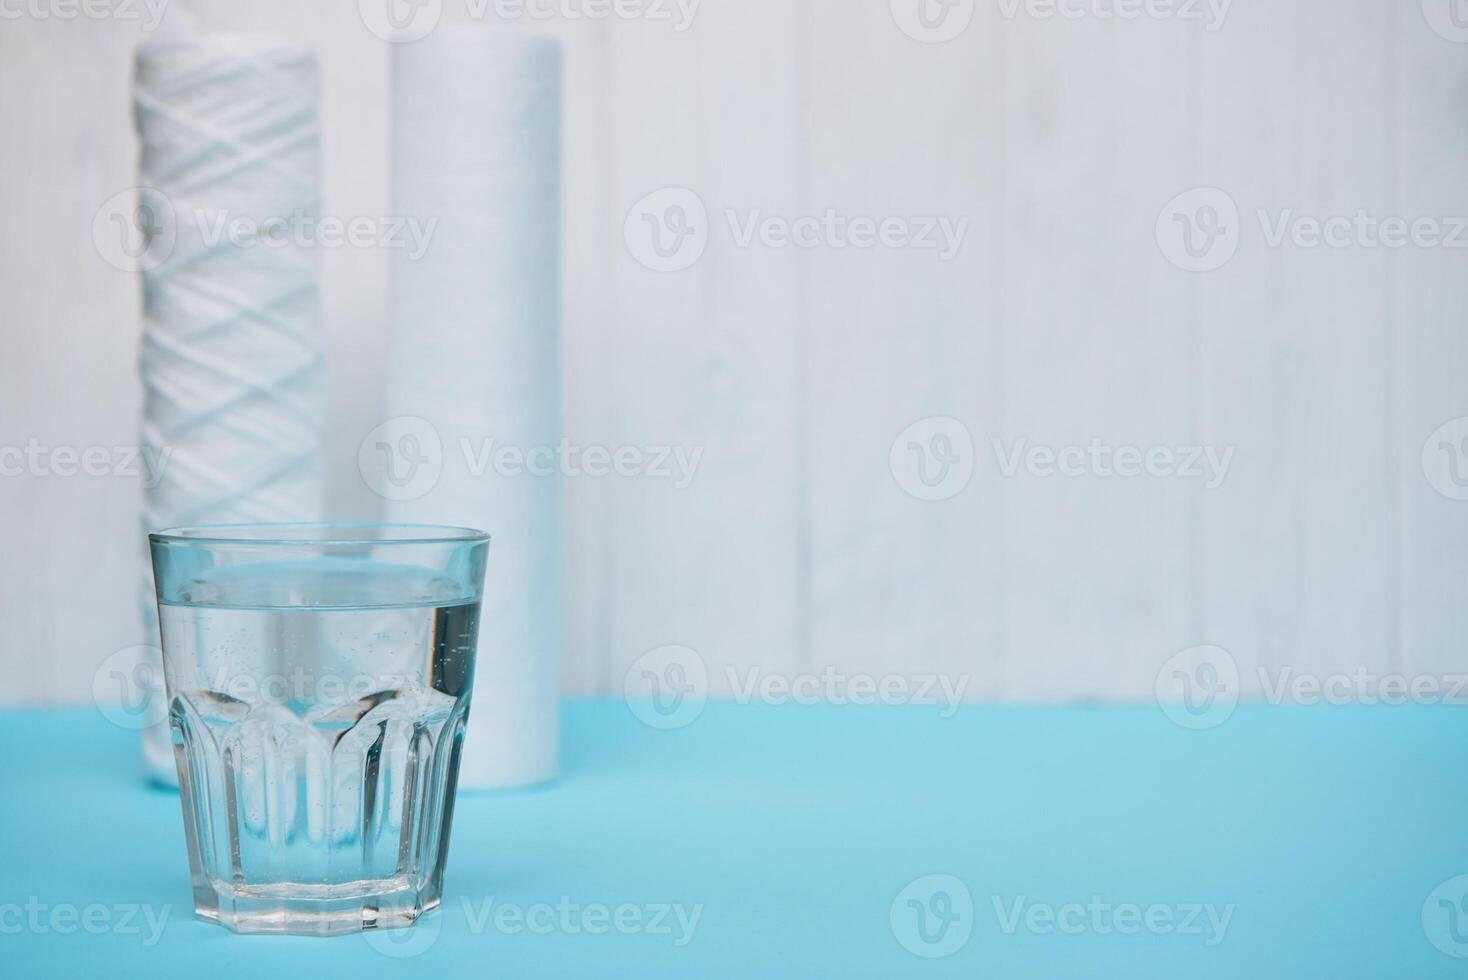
305,910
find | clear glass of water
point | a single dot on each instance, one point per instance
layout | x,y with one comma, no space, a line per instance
318,684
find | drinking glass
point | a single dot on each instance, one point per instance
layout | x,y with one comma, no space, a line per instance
318,681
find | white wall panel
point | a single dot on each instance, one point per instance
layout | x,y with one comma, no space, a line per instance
794,369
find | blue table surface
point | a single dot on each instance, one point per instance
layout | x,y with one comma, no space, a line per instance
1003,842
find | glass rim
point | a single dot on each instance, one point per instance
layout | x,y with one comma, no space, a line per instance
313,534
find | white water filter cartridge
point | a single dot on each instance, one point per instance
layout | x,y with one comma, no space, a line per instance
474,361
231,359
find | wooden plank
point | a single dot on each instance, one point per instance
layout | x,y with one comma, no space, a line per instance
1427,149
70,323
591,240
705,356
905,578
1097,348
1251,551
1297,547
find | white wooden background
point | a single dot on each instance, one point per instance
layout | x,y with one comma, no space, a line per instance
1061,320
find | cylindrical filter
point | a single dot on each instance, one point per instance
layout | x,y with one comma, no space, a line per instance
474,371
231,360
